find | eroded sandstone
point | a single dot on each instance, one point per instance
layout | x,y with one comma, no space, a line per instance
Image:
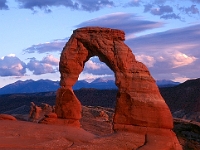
138,100
139,103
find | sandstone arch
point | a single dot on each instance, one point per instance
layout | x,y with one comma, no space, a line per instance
139,102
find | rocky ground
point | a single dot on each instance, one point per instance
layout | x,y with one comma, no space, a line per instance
95,133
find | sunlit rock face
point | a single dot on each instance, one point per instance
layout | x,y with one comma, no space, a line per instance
139,102
140,109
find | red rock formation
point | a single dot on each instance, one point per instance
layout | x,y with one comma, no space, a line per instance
139,103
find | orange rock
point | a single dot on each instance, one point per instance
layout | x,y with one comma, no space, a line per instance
67,105
7,117
139,102
51,115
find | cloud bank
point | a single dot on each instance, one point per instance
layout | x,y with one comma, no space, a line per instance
54,46
85,5
12,66
167,9
170,53
48,64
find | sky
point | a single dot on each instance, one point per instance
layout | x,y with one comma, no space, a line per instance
163,34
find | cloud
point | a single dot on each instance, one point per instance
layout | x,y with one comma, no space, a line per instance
190,10
3,5
92,65
130,24
147,7
171,16
96,67
48,64
147,60
180,59
86,5
161,10
54,46
169,52
50,60
12,66
167,9
91,77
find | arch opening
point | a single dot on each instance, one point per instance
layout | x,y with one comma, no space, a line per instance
98,98
95,69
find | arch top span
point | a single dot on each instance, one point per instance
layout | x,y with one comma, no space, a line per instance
114,33
139,102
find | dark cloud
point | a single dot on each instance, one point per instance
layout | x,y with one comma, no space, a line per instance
171,16
167,9
169,54
161,10
190,10
12,66
86,5
54,46
3,4
147,7
92,5
130,24
46,65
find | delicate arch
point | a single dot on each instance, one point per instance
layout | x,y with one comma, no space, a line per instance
139,102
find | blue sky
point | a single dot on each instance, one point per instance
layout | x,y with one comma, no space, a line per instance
163,34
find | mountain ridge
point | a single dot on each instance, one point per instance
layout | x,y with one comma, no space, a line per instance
31,86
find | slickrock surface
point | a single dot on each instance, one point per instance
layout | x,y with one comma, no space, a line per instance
139,107
21,135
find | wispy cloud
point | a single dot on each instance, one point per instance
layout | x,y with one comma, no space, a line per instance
85,5
171,16
131,23
54,46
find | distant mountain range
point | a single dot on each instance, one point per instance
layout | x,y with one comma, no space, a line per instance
183,99
31,86
166,83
